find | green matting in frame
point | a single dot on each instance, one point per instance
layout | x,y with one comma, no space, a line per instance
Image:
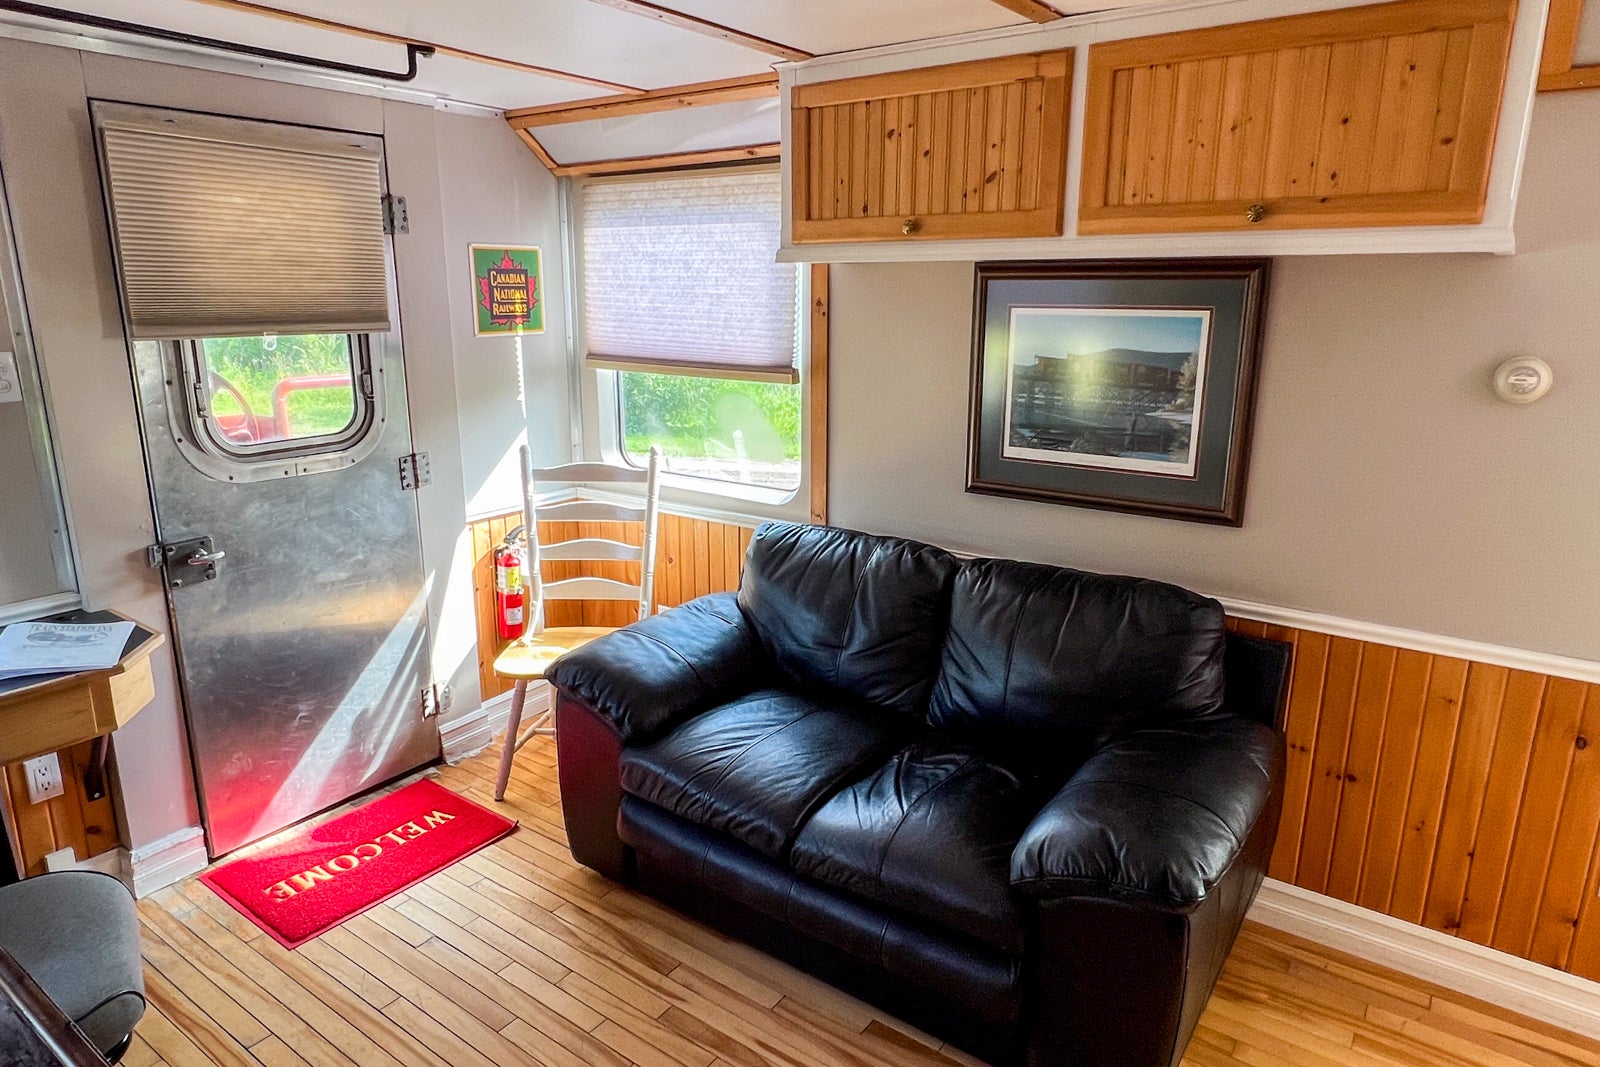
508,291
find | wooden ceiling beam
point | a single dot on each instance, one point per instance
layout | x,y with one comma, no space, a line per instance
755,153
538,150
396,39
1036,10
707,28
699,94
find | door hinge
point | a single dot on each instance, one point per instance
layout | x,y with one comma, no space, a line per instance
395,219
415,471
435,698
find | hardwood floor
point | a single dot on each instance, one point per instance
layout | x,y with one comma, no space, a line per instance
517,955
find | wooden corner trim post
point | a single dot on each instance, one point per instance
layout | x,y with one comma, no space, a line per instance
1556,69
817,377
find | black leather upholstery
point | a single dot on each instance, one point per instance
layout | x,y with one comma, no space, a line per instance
1155,817
1039,659
1023,807
757,767
858,614
989,981
929,833
1258,679
648,676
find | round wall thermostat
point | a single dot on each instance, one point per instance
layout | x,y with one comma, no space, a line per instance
1523,379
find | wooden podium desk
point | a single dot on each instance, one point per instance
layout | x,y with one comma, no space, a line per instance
57,712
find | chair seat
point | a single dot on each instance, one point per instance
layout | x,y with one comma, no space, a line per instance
529,656
76,933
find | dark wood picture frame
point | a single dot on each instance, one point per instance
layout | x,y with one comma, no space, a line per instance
1202,478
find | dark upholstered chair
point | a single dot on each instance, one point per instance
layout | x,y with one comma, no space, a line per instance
77,935
1025,808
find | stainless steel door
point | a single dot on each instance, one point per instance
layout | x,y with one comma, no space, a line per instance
304,659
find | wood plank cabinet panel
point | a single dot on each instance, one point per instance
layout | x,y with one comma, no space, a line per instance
1383,115
968,150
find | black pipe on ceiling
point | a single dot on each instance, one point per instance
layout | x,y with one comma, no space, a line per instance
77,18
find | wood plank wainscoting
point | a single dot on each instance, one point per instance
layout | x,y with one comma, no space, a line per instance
693,557
88,827
1459,795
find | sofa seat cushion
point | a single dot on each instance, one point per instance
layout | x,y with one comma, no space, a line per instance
928,833
756,768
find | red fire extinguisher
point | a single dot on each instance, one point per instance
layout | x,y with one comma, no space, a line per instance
510,594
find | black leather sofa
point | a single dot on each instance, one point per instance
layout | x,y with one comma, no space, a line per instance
1022,807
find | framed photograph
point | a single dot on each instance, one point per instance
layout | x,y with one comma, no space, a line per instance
1126,386
507,290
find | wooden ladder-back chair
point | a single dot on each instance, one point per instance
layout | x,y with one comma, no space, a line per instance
528,657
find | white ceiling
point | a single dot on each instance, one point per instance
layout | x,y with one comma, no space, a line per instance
590,39
822,26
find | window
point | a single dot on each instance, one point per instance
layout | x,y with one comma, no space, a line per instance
254,272
693,326
731,431
269,390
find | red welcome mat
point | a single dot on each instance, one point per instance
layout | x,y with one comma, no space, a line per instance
326,874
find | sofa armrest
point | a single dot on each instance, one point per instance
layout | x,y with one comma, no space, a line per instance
1156,817
646,677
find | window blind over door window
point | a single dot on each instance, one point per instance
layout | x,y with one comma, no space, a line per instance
681,277
230,227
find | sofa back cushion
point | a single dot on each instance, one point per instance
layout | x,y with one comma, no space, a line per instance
860,615
1039,660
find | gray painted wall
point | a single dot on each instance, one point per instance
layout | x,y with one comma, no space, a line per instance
46,148
1388,484
27,565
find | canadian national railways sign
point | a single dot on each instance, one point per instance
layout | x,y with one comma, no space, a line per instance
507,290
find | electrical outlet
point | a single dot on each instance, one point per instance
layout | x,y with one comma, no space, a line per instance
44,778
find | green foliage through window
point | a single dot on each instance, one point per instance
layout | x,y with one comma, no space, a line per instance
731,430
313,373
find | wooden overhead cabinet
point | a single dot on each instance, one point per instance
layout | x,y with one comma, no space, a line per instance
968,150
1382,115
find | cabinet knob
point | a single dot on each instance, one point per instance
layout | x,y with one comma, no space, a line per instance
910,226
1255,213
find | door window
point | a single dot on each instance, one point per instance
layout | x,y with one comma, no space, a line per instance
270,390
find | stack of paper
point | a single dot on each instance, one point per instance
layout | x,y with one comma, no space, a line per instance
61,647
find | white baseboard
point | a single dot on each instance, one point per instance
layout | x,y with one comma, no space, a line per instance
171,859
1528,988
1517,659
469,734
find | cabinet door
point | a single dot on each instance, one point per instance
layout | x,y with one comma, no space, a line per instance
1382,115
968,150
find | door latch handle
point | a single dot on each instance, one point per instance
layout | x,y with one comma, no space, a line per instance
186,563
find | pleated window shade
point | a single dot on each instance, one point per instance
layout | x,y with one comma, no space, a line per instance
681,277
231,228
